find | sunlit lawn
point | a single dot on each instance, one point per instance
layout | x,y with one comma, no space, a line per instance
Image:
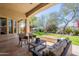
74,39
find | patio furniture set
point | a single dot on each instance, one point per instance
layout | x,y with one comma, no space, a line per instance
39,47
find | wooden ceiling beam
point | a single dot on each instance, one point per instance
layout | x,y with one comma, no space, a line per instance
35,9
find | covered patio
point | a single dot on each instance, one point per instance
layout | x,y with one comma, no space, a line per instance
12,14
16,20
21,12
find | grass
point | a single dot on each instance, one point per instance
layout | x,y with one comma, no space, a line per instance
74,39
39,33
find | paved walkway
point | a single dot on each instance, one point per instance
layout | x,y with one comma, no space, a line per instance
75,50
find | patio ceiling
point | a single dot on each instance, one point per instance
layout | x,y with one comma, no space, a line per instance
15,9
18,7
20,10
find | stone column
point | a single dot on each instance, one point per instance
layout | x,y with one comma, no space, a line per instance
27,31
17,27
13,25
7,27
27,27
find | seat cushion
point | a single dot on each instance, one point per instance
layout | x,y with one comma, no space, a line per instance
58,48
40,47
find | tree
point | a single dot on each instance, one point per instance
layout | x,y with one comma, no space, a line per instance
51,28
33,21
41,22
38,22
68,13
51,25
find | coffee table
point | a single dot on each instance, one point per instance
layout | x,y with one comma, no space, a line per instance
33,44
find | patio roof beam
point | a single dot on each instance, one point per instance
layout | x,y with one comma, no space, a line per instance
35,9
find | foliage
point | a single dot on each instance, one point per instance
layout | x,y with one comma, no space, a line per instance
39,33
68,13
68,30
38,23
76,32
51,25
41,30
33,21
74,39
41,21
51,28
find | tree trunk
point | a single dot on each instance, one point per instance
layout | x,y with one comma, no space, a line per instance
69,22
65,27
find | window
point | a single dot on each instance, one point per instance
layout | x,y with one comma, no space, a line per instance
10,23
14,26
3,27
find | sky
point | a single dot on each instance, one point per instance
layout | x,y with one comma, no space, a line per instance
52,9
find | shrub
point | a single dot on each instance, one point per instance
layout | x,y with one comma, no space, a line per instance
41,30
68,30
51,28
76,32
39,33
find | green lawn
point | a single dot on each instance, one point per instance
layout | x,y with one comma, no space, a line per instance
74,39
